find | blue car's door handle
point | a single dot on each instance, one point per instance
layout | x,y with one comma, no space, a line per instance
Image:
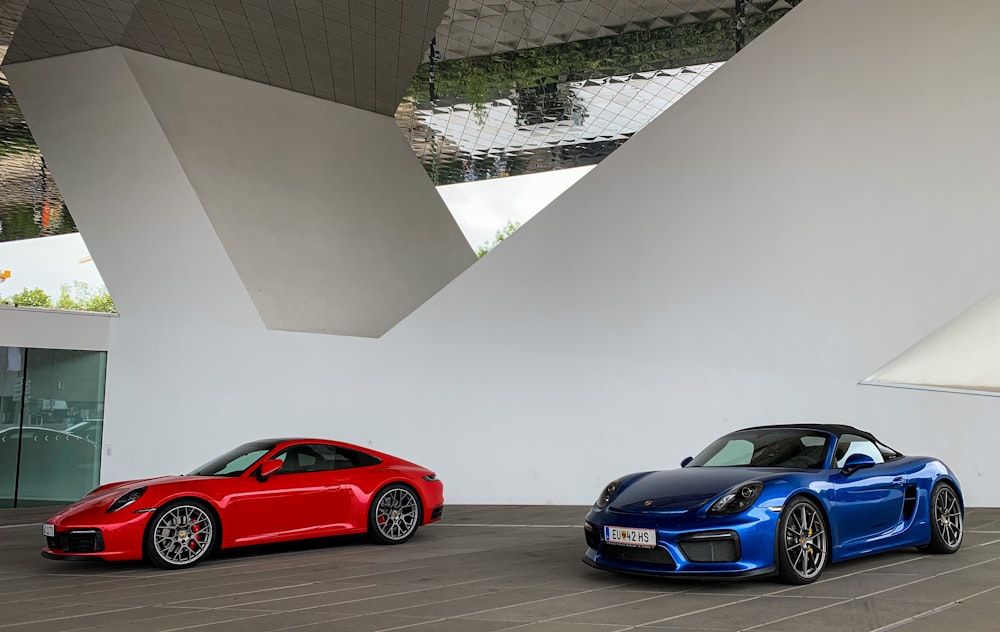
898,481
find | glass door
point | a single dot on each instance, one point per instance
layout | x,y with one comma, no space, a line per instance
51,423
63,422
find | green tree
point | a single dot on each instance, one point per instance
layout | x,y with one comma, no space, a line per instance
505,232
30,298
81,297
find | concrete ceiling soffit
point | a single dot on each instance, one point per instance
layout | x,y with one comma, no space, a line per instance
360,53
962,355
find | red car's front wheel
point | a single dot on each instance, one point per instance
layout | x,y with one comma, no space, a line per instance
180,534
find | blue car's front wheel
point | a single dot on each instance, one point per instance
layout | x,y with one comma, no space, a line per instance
803,542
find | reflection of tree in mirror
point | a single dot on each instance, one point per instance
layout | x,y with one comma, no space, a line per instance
15,138
26,221
479,80
503,233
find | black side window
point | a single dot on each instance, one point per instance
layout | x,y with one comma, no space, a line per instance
888,453
347,459
853,444
307,458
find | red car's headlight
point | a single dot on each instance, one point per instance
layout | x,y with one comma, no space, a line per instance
127,499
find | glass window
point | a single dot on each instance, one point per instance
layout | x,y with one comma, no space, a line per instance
62,419
11,387
853,444
735,452
352,458
234,462
313,457
766,447
888,453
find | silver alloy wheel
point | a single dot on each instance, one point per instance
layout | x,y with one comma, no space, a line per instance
948,515
806,541
183,535
396,514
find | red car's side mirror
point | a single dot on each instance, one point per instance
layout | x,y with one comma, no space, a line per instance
268,468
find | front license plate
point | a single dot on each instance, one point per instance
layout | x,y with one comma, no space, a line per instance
49,530
630,537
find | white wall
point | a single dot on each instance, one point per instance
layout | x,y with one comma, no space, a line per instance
38,328
810,211
299,191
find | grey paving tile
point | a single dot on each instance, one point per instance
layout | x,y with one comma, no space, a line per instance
38,611
657,608
553,626
399,601
978,613
378,623
567,605
741,615
858,614
151,619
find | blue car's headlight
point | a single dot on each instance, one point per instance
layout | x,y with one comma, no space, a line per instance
737,499
607,494
126,499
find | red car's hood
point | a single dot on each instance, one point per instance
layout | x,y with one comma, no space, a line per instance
106,494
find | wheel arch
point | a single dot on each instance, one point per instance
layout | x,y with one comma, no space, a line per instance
807,493
180,497
405,483
948,479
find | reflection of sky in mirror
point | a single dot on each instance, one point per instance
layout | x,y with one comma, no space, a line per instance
603,109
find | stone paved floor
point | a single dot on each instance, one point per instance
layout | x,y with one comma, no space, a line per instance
484,569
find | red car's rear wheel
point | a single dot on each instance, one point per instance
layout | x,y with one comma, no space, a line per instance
394,515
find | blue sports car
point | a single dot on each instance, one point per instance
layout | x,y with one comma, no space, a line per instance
775,500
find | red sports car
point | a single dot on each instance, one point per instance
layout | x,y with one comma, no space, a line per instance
265,491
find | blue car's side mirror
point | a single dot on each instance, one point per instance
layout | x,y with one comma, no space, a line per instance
856,462
686,460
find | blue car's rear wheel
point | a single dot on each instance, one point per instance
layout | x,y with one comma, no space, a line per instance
803,542
947,527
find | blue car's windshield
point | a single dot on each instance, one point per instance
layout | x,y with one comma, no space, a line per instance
766,447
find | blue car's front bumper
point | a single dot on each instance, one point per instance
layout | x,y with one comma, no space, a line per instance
688,544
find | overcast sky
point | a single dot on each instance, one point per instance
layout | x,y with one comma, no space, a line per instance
480,209
47,262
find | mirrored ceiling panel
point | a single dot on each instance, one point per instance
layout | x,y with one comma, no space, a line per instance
521,87
30,202
506,87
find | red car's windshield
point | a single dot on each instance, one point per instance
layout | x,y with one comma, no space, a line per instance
234,462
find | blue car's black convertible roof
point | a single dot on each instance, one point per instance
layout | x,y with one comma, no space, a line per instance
834,429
